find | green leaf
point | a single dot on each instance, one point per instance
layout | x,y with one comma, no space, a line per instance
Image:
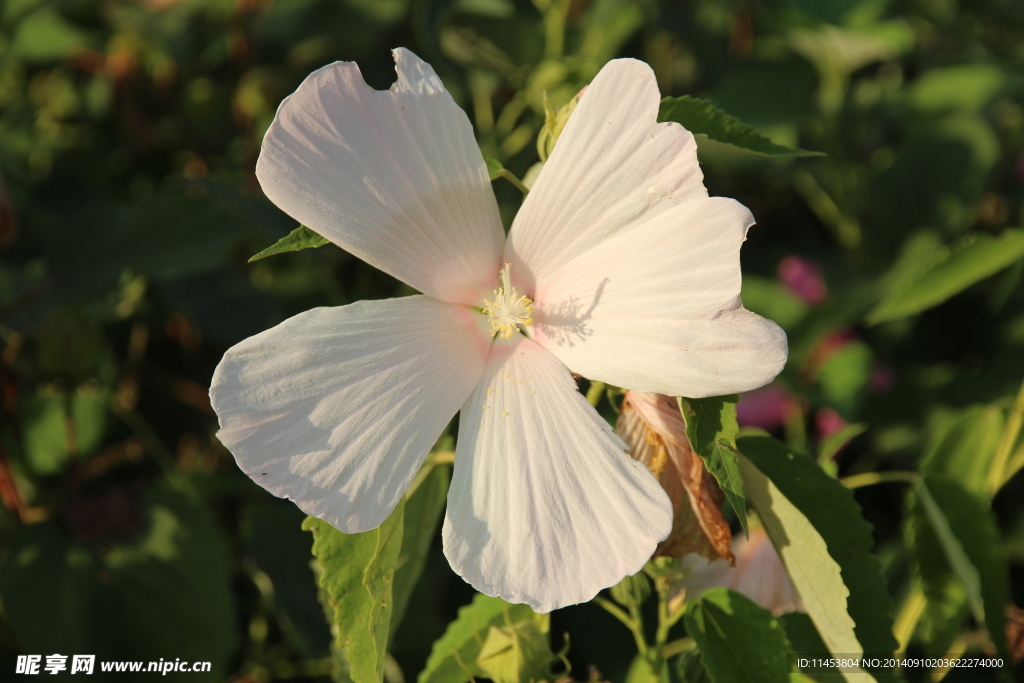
845,378
961,87
298,239
833,443
690,668
642,671
173,585
45,36
773,300
954,532
356,576
806,642
155,582
912,289
45,436
838,52
711,428
275,540
455,654
515,653
739,641
965,448
816,526
422,513
716,131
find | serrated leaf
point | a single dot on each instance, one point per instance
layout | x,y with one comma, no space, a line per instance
954,532
422,513
711,428
912,289
298,239
356,577
739,641
806,642
454,655
817,528
717,131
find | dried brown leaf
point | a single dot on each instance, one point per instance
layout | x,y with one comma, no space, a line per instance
653,428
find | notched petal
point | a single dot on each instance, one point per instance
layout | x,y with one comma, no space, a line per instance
395,177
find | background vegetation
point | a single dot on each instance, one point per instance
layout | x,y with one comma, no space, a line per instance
129,132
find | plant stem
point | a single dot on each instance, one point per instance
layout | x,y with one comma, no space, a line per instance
677,647
870,478
632,622
906,620
509,176
845,227
554,28
595,392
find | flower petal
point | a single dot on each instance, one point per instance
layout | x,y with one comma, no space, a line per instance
613,167
395,177
336,408
545,506
658,309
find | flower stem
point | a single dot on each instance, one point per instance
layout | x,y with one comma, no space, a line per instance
595,392
509,176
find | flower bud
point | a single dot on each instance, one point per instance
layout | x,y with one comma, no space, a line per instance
632,591
554,122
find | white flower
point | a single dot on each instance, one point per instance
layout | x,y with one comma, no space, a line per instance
631,271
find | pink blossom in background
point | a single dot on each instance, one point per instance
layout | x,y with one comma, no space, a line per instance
803,278
828,422
765,408
823,350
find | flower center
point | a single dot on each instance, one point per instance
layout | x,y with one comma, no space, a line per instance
508,311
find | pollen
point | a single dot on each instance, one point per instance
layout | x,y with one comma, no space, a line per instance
509,311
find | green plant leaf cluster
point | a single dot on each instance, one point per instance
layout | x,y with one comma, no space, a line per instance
493,639
816,526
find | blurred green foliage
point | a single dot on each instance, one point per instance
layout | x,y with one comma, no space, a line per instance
129,131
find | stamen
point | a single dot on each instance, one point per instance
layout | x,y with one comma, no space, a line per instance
508,311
